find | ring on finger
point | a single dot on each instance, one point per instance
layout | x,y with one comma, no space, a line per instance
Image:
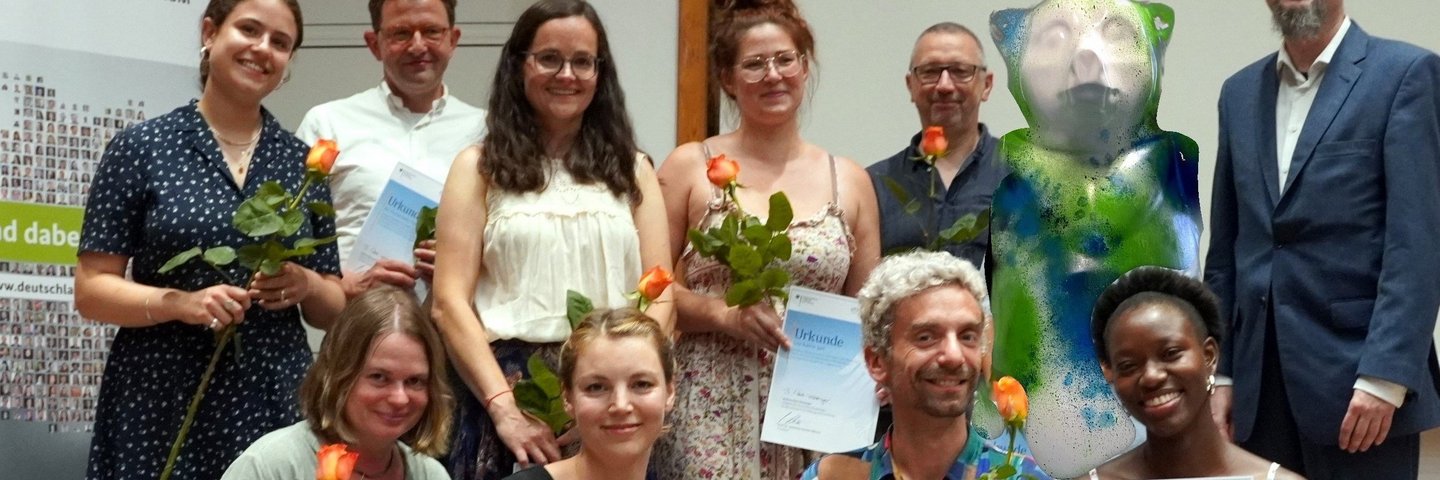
282,295
231,305
214,323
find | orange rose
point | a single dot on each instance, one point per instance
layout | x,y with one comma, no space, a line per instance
335,462
933,143
721,171
322,156
1009,397
654,282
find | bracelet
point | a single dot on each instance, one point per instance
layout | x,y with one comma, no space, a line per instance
493,397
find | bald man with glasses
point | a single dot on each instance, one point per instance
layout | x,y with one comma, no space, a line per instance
948,81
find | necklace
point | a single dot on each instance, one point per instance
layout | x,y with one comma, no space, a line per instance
388,463
247,148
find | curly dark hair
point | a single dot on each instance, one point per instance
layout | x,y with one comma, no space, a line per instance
604,149
735,17
1151,285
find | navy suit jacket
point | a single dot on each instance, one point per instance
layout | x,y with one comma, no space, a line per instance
1349,255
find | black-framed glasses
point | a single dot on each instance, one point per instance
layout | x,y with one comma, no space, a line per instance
787,64
960,72
432,35
550,62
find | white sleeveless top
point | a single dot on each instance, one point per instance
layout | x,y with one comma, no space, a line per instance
540,244
1270,475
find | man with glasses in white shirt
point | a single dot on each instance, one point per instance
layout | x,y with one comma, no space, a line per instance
1325,217
947,81
409,118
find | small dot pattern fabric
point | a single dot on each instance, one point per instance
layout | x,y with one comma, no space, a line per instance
163,187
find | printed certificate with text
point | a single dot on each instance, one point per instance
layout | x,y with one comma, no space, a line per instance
821,397
389,231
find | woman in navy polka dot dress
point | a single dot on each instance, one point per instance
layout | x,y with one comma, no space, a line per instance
170,184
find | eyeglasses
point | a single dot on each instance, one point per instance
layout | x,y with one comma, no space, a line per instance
787,64
929,74
403,35
551,62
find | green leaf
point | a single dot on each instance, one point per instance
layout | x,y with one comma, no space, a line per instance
706,245
256,218
555,419
218,256
294,219
897,190
741,291
179,259
271,266
967,227
321,208
773,278
780,213
272,194
530,397
757,234
314,242
779,248
744,261
577,305
425,225
251,255
541,374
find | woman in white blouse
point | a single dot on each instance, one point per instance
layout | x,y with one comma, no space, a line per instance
557,197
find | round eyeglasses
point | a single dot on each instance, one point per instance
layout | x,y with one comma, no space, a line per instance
754,69
551,62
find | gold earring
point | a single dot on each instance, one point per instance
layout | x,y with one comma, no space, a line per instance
1210,384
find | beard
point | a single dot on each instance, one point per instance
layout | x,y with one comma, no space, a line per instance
947,406
1300,22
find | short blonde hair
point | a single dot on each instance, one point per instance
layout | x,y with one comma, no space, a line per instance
380,311
902,276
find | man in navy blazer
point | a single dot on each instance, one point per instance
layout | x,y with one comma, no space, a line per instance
1325,248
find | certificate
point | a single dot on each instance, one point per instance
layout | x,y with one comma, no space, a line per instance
821,396
389,231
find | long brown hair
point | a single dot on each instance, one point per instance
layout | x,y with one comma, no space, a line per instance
605,148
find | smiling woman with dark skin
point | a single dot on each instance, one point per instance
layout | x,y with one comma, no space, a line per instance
1157,333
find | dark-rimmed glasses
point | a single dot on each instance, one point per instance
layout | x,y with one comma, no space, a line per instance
960,72
550,62
754,69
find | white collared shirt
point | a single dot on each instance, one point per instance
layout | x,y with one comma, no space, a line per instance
374,132
1296,95
1292,105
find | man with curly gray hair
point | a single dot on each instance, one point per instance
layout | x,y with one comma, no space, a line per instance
925,343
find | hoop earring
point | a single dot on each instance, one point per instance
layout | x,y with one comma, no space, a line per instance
204,51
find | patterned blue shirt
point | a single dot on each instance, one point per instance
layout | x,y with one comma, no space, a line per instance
978,456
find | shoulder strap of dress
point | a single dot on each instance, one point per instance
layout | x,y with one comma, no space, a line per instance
718,194
1274,467
1094,475
834,183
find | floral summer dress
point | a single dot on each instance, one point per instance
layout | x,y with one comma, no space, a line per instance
723,382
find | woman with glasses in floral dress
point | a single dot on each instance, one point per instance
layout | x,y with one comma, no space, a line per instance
557,197
762,58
